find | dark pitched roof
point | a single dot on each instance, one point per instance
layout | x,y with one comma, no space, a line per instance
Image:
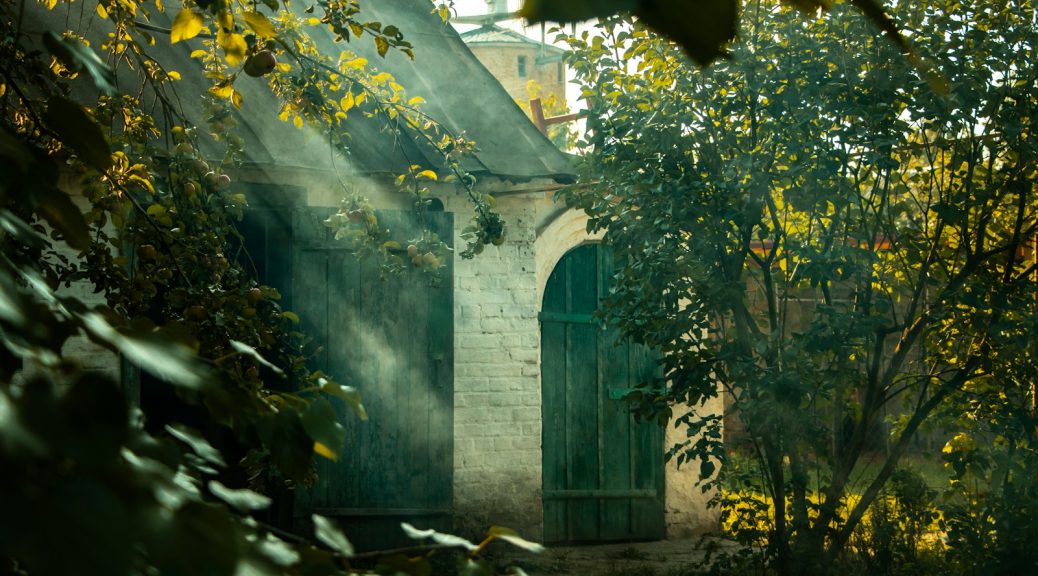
459,92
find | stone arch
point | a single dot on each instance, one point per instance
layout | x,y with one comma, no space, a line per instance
564,233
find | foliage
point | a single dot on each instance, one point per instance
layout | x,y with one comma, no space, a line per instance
811,229
988,508
896,535
701,28
91,483
562,135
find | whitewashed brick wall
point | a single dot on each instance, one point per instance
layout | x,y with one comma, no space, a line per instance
90,356
497,397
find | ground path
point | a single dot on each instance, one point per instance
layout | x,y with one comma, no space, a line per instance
663,558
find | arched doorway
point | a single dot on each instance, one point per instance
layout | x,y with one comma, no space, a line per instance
602,469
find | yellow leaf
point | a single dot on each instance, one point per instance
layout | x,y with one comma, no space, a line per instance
224,90
297,122
347,102
284,114
158,4
415,101
291,316
357,63
234,46
186,25
173,75
313,21
198,53
323,450
259,24
236,99
101,11
50,4
428,174
226,21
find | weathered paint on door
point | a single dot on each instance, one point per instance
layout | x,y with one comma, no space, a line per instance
602,469
392,338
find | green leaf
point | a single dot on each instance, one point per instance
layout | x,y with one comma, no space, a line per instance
243,348
244,500
706,468
13,304
278,551
162,352
322,425
382,45
437,537
347,393
79,58
330,535
18,229
186,26
474,567
78,131
60,212
16,435
513,538
198,444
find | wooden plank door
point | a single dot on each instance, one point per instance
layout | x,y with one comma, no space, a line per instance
602,469
391,336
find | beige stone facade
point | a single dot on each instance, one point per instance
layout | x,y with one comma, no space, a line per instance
515,65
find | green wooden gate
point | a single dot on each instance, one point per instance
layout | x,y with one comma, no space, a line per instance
602,469
392,338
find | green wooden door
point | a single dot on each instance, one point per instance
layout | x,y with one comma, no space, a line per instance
392,338
602,469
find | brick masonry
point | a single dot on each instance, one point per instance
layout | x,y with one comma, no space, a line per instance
497,475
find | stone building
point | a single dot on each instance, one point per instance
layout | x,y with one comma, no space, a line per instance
454,373
516,60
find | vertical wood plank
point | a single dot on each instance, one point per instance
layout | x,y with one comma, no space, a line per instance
311,265
440,331
647,517
614,368
343,299
582,395
553,404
